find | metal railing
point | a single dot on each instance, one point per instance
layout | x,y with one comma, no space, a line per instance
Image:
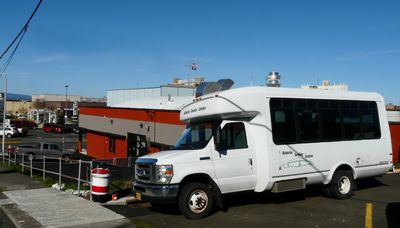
121,168
28,164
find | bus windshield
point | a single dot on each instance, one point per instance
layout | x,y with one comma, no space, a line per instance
196,136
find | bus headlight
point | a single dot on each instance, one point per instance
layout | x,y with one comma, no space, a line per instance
164,174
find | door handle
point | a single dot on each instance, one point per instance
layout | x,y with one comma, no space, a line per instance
251,162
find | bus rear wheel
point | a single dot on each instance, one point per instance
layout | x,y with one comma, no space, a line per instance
342,184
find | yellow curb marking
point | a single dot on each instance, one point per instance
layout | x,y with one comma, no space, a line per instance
12,142
368,216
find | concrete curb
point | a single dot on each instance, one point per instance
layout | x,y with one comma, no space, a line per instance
20,218
122,201
395,171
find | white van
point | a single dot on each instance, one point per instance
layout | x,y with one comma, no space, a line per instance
268,139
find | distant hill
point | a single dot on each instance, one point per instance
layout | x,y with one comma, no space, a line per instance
18,97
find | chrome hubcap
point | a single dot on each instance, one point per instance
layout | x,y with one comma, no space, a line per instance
344,185
198,201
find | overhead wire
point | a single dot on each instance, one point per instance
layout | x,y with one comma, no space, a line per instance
3,69
23,30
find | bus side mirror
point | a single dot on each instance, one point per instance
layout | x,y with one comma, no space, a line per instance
217,139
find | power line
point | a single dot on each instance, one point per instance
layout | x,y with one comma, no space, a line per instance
23,30
3,69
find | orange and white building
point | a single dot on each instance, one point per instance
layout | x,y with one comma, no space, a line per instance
132,128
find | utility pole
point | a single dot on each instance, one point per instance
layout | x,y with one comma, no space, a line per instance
4,114
66,104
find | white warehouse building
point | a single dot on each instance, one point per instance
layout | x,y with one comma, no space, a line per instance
120,96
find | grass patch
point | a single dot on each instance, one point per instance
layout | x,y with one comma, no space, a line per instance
116,185
140,224
48,182
397,165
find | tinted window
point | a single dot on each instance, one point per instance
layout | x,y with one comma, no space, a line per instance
331,124
283,124
54,147
308,123
351,124
233,136
370,121
311,120
46,146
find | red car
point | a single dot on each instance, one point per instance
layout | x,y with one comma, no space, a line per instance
59,129
48,127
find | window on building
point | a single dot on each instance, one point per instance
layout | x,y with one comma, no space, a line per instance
111,144
137,145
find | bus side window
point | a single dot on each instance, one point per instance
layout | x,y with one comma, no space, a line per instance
233,136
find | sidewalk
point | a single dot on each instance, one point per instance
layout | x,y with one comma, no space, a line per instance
28,204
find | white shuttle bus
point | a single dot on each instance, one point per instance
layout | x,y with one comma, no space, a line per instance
268,139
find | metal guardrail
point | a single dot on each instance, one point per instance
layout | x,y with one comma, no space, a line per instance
121,168
60,175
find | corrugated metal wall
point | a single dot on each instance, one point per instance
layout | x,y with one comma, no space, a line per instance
115,97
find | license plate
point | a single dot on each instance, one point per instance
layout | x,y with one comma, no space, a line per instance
138,195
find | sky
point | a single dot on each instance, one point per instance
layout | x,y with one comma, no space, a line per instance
97,45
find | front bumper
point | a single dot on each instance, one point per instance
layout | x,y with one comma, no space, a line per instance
154,193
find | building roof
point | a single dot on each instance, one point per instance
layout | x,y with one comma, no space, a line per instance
163,103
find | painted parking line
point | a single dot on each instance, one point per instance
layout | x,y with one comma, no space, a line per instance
12,142
368,215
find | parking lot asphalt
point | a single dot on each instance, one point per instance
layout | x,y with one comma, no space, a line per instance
67,141
293,209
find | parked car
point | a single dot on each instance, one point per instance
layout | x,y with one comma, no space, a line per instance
24,124
48,127
59,129
72,128
9,131
21,130
44,149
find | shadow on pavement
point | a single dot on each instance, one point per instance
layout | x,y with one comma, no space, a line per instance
8,171
165,209
247,198
368,183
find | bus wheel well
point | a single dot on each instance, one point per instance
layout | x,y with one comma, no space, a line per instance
345,168
205,179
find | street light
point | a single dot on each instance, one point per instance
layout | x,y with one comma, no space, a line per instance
3,75
66,104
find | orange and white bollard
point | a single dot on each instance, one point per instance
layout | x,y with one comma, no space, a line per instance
100,179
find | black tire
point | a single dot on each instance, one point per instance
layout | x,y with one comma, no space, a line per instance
341,185
9,135
196,200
